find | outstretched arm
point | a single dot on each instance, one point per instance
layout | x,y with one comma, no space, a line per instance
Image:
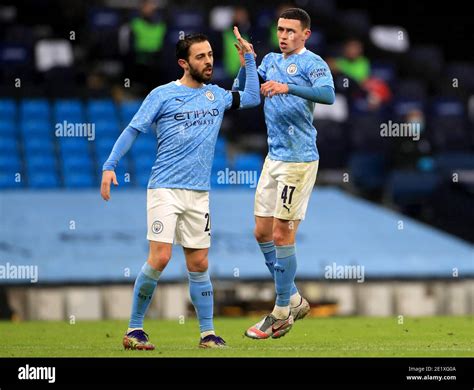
250,96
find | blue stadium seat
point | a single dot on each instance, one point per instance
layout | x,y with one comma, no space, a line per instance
449,162
79,180
221,147
41,162
10,163
187,19
447,106
143,163
127,110
8,180
403,106
76,163
8,144
145,144
383,70
35,109
38,144
248,162
39,179
68,109
98,109
142,179
367,170
38,127
107,128
8,109
406,188
333,143
7,128
73,145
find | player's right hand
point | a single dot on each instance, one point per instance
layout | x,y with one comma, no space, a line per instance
108,177
243,46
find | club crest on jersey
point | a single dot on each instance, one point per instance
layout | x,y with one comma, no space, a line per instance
210,95
157,227
292,69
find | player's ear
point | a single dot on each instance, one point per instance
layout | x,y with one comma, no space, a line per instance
306,33
183,64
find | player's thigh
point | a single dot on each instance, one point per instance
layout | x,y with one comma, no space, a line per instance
194,224
266,192
295,185
196,259
163,209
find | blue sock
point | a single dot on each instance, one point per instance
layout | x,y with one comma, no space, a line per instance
269,252
202,297
285,271
143,290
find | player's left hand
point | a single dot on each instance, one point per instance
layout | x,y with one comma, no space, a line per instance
271,88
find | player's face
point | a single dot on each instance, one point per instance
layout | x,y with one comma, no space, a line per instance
291,35
201,61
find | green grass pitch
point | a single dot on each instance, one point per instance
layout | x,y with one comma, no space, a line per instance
315,337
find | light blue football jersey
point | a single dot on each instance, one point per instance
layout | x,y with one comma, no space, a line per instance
186,122
289,118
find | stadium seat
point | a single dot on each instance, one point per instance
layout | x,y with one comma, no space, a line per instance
365,133
8,109
107,129
221,147
8,180
37,127
76,164
367,170
411,89
98,109
41,162
70,110
407,188
10,163
449,162
8,145
7,128
37,109
38,179
79,180
127,110
38,144
248,162
333,143
384,70
448,133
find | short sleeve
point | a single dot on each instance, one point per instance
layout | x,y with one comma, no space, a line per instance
145,118
319,74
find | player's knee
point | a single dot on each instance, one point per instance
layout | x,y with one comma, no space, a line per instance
159,260
198,265
281,237
261,235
